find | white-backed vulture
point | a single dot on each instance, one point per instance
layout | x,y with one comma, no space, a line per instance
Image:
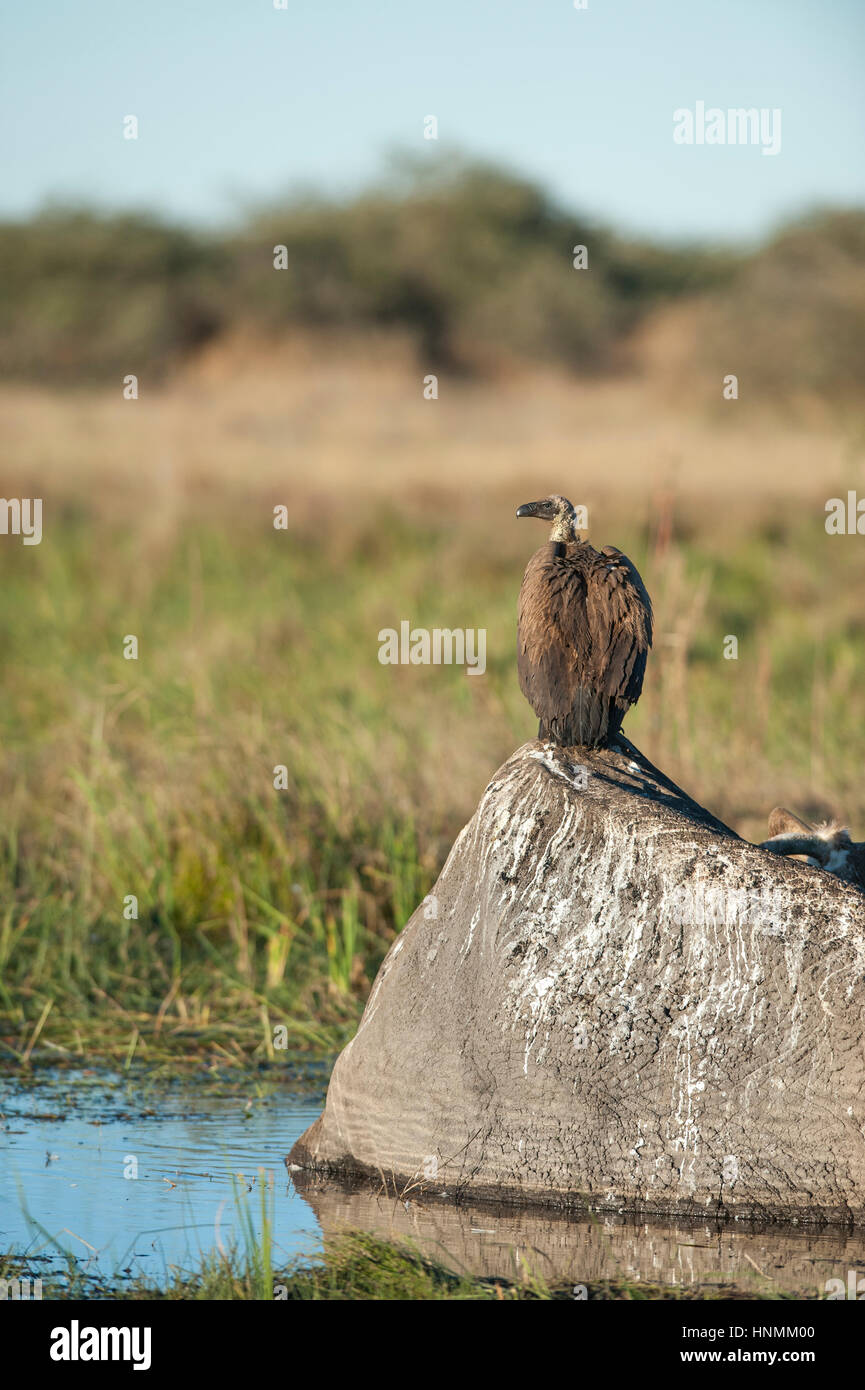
584,630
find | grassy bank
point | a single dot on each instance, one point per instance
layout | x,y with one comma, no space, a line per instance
262,907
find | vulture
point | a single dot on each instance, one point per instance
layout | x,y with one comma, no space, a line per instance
584,630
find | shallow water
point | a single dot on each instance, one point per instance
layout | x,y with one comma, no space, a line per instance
71,1143
521,1243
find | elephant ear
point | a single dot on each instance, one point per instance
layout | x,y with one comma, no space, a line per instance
783,822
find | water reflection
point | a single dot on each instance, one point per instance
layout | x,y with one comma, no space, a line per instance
563,1249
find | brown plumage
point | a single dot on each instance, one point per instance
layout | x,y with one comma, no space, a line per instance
584,630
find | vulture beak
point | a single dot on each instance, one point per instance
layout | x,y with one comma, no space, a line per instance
544,510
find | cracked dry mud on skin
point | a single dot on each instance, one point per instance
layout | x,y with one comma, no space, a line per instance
610,1000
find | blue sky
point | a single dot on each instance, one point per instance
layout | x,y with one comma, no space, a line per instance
238,101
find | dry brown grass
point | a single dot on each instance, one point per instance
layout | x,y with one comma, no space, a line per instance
296,422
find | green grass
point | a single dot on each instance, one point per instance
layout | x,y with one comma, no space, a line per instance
261,909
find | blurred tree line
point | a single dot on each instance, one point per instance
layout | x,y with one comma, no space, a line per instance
474,263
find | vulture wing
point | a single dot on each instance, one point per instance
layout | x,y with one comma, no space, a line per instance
584,633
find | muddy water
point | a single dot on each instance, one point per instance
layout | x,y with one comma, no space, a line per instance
126,1177
132,1178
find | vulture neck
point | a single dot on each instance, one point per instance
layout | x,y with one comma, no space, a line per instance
562,534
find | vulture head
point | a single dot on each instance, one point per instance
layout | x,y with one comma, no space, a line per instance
559,511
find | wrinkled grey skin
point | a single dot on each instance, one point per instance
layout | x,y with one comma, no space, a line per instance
611,1000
